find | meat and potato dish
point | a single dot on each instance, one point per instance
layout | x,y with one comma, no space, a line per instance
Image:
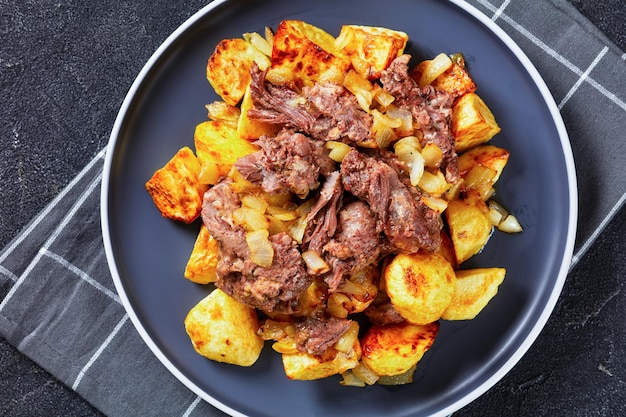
339,189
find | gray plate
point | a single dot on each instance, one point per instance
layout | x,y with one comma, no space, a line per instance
147,253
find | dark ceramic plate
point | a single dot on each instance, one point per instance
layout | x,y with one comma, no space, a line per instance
147,253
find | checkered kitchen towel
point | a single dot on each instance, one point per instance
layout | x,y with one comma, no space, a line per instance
58,303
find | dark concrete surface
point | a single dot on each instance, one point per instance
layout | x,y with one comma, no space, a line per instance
59,86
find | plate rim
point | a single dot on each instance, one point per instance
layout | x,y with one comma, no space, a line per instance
556,289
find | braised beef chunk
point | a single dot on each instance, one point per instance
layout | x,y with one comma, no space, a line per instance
383,313
288,161
340,117
218,206
323,111
315,335
355,246
407,222
277,104
322,219
276,288
430,108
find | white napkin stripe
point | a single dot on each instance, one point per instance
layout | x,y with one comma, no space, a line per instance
583,77
99,351
192,407
500,10
80,273
576,257
8,273
95,183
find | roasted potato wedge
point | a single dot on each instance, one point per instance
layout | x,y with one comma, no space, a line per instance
175,188
305,51
202,262
473,290
224,330
472,122
371,49
218,146
394,349
420,285
228,68
469,227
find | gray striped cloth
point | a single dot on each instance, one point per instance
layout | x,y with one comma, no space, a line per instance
58,302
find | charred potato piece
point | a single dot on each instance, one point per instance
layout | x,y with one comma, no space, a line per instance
474,289
394,349
305,51
228,68
371,49
420,285
175,188
202,262
469,227
219,146
224,330
472,122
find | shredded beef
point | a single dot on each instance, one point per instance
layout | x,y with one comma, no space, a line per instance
277,104
289,161
322,219
430,108
276,288
383,313
355,246
323,111
407,222
340,117
315,335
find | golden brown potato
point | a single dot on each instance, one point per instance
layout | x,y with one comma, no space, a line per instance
250,128
175,188
219,146
224,330
474,289
305,51
202,262
480,168
469,227
455,80
228,68
472,122
394,349
420,285
220,110
489,156
344,356
371,49
447,249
